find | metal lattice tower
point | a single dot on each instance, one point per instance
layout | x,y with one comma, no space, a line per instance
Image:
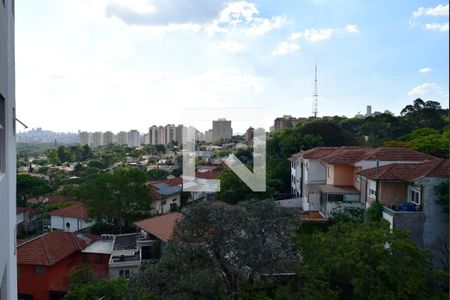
316,94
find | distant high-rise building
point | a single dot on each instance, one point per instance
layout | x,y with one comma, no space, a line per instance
96,139
154,133
368,111
8,265
147,139
199,136
108,138
84,138
249,134
285,121
170,132
221,130
133,139
122,138
209,136
161,135
179,134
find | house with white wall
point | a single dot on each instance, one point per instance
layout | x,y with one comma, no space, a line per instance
71,218
325,178
410,202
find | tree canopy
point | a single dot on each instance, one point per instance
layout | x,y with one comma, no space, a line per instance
119,198
31,186
224,245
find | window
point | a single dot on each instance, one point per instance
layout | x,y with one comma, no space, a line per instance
351,198
124,273
174,200
2,134
414,196
68,225
335,197
39,270
163,202
372,189
328,172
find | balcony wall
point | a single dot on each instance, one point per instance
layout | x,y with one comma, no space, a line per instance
411,221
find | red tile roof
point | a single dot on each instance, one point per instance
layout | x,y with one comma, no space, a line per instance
398,154
207,175
318,152
170,181
51,247
74,211
347,155
161,226
51,199
20,210
408,171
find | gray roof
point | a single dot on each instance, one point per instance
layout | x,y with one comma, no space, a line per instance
165,189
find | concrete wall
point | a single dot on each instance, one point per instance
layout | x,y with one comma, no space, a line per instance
435,228
406,220
58,222
8,269
315,172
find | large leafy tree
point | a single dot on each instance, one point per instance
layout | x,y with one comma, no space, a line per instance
31,186
121,197
225,245
429,140
425,114
366,261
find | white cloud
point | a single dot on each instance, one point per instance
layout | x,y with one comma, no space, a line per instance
442,27
425,70
231,46
243,15
286,48
423,89
233,12
352,28
440,10
317,35
263,25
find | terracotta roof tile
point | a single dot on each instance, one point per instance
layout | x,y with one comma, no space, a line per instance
77,210
51,247
408,171
161,226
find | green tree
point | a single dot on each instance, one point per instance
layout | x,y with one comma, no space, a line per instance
366,261
240,241
423,114
121,197
430,141
86,287
31,186
157,174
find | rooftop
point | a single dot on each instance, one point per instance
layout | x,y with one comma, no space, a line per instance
408,172
161,227
74,211
125,242
49,248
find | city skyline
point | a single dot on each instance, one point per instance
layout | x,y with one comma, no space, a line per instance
105,69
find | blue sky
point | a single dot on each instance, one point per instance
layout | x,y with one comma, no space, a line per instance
128,64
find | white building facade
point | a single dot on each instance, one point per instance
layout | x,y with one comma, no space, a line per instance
8,262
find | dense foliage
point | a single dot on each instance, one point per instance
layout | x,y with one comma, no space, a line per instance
223,245
117,198
31,186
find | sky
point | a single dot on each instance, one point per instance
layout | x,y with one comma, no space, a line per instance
101,65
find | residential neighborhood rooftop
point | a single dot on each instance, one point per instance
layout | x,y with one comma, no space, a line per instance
49,248
77,210
161,226
408,172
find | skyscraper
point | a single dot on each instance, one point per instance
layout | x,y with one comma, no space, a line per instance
107,138
133,139
96,139
122,138
8,268
84,138
221,130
